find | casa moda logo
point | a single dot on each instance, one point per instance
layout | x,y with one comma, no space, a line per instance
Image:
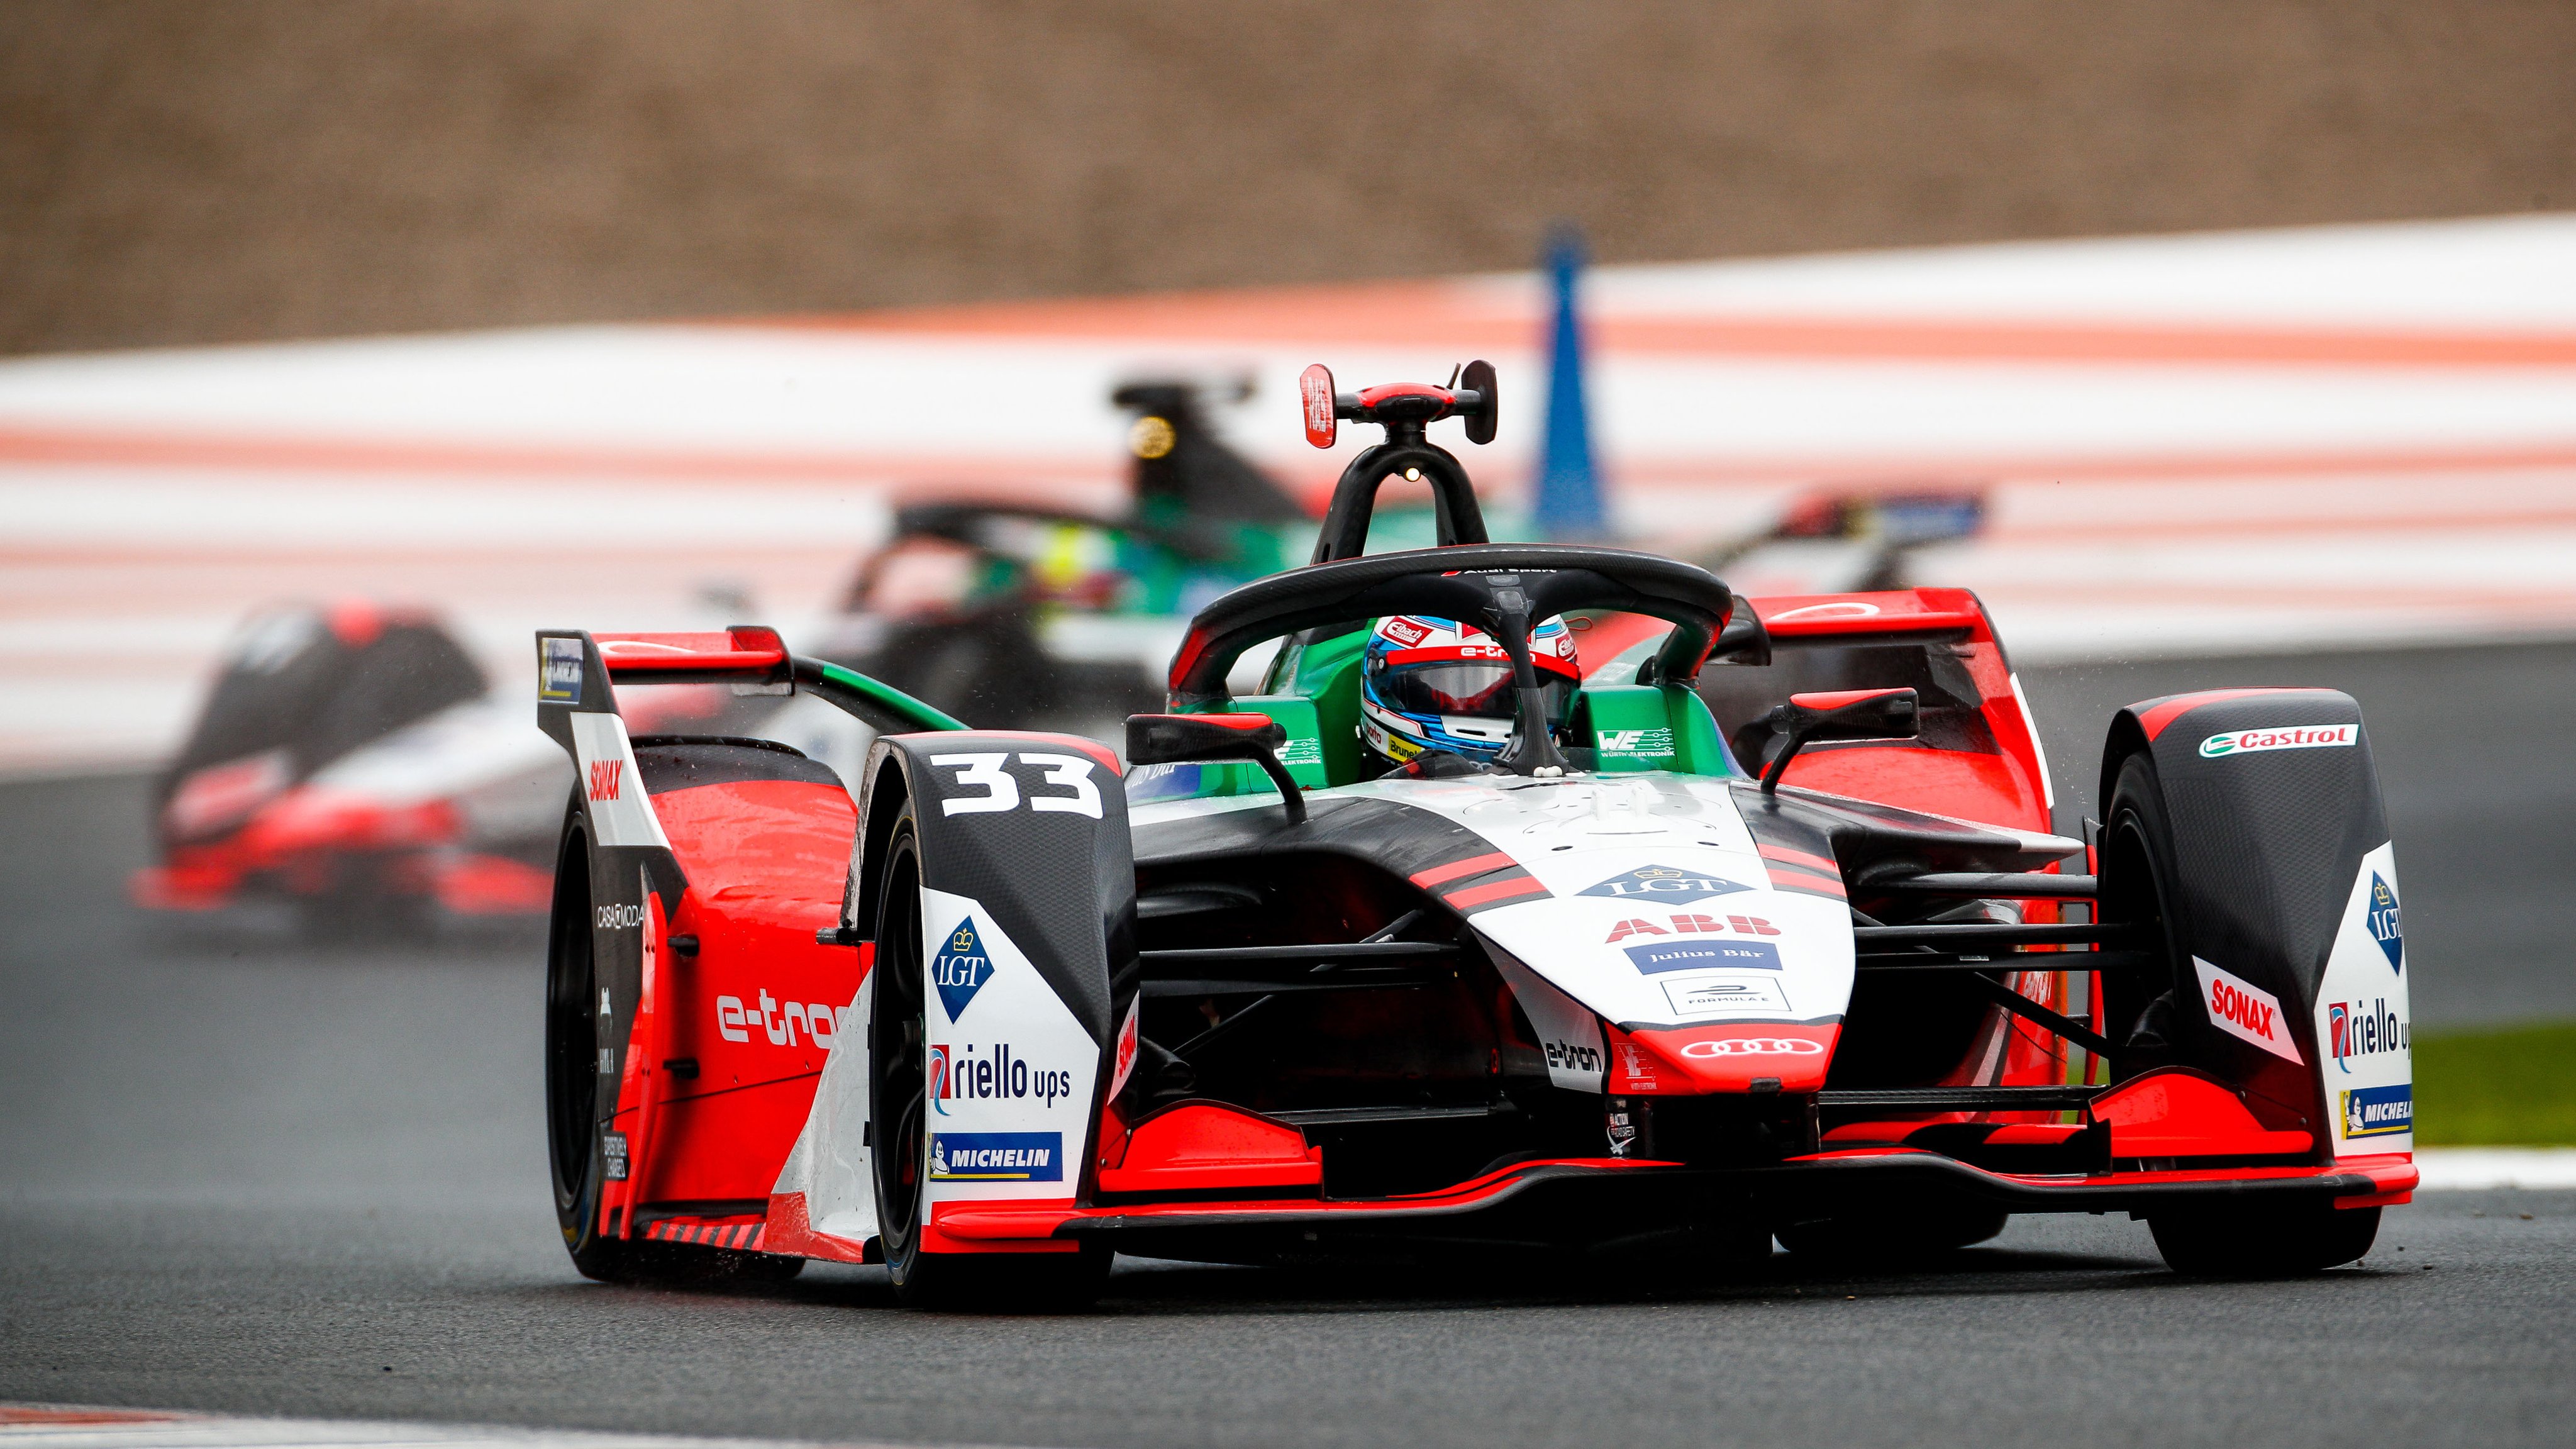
2378,1111
997,1157
1663,883
2300,737
2384,925
2356,1029
960,970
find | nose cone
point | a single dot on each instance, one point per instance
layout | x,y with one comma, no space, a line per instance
1688,1061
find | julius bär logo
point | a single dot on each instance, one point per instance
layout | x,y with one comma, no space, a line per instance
960,970
2384,925
1664,883
605,777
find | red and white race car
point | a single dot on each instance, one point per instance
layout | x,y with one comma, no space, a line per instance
1642,987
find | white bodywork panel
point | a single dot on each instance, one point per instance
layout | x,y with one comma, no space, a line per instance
2365,1057
1012,1074
619,809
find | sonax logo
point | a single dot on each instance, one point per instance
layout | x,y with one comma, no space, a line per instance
997,1157
1665,883
2245,1011
605,778
2298,737
2384,925
961,970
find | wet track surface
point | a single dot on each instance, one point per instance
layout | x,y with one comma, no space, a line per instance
239,1173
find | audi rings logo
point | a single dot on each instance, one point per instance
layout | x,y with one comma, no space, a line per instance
1754,1046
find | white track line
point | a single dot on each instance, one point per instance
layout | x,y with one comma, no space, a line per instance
2465,1168
26,1426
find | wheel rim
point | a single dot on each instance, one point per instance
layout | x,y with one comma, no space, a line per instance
897,1069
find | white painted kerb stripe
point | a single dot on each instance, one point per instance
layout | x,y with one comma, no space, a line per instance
77,1427
2486,1167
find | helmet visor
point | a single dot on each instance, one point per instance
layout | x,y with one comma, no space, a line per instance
1467,689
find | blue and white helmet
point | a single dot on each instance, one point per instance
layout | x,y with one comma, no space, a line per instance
1438,684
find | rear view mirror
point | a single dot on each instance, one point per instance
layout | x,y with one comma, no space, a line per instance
1174,739
1850,714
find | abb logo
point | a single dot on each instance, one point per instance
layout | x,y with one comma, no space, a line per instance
1691,923
1754,1046
605,777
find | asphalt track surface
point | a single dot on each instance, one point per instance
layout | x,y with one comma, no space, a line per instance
245,1175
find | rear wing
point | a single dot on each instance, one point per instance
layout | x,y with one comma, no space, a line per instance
577,675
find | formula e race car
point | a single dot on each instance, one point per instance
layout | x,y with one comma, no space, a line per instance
1625,990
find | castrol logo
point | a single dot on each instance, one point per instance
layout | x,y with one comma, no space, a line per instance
1754,1046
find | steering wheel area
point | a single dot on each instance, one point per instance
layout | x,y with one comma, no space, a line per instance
1502,588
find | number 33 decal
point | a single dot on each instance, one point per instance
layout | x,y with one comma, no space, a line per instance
1002,789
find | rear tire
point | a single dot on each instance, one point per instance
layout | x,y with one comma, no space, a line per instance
2271,1244
575,1156
898,1096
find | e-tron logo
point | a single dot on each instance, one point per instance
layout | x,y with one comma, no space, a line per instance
1755,1046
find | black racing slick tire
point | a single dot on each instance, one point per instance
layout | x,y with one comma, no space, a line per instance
2142,1009
576,1155
899,1157
2273,1243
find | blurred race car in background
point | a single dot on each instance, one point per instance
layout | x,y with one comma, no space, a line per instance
1023,615
352,765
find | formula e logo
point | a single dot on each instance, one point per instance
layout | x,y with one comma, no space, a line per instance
1654,742
2302,737
605,776
961,970
1754,1046
997,1157
1665,882
2378,1111
2245,1011
559,671
2384,927
1567,1056
2356,1030
1001,1074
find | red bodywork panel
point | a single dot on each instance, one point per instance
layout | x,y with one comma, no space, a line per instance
759,1006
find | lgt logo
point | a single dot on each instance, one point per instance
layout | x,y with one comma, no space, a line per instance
2384,925
605,777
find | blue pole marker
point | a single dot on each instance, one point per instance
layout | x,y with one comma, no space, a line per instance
1569,488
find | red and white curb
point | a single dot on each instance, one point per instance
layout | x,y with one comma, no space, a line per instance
25,1426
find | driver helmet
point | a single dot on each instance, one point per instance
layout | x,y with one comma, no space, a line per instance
1440,684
